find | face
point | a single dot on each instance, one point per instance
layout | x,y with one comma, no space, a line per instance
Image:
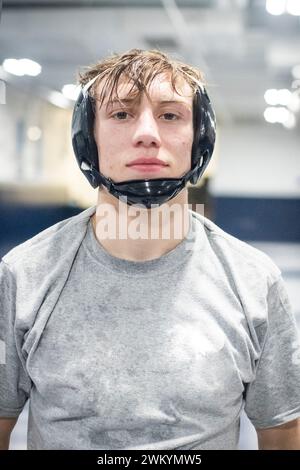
149,137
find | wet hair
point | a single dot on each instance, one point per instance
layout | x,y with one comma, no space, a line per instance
139,68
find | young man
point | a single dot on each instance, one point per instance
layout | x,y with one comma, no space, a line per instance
140,324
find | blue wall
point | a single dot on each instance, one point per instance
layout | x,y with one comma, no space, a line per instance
258,219
18,223
249,219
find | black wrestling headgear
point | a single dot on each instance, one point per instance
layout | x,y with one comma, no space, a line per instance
142,191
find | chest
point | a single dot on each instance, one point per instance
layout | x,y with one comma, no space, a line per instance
122,358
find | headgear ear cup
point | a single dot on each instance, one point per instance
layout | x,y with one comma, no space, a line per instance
204,134
83,141
142,191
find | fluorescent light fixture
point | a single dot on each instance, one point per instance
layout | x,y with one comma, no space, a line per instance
274,97
58,99
30,67
271,96
71,91
283,97
21,67
293,7
294,103
280,115
278,7
270,115
275,7
13,67
290,123
34,133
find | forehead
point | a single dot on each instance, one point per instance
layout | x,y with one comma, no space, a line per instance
159,89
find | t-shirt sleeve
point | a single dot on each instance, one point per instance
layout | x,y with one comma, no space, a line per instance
273,398
15,383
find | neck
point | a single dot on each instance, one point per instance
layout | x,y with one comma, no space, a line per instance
138,234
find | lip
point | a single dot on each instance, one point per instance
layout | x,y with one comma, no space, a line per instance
150,162
147,165
148,168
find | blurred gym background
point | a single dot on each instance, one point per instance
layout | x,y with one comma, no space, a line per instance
249,51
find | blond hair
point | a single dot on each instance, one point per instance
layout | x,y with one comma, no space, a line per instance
139,67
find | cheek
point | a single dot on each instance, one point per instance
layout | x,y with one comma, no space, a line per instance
110,145
184,153
183,137
183,147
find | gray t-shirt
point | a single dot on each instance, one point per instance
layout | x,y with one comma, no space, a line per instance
162,354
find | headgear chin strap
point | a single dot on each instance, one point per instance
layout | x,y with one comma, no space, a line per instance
146,192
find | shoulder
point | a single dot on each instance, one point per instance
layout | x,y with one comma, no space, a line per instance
238,258
50,244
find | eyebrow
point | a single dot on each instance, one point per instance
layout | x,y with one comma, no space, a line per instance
132,100
173,102
119,101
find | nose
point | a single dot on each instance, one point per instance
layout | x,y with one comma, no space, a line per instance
146,133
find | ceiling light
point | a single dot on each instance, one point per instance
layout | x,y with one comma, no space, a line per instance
34,133
290,123
283,96
282,115
274,115
270,115
30,67
21,67
71,91
271,96
275,7
13,66
294,103
58,99
274,97
293,7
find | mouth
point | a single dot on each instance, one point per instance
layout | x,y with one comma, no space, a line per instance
152,165
149,167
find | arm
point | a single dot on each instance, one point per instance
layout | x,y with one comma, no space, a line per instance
283,437
6,427
15,383
274,396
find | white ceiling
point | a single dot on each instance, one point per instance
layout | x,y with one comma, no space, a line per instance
240,47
